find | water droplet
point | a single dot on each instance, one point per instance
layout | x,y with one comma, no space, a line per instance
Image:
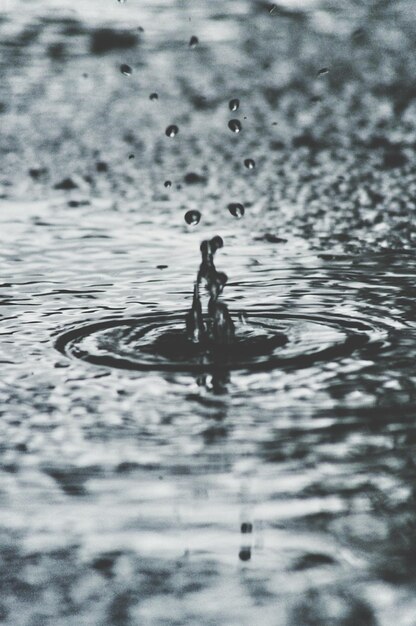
122,1
234,126
216,243
168,183
233,104
250,164
154,96
172,131
192,218
322,71
245,554
236,209
126,69
193,42
131,156
272,9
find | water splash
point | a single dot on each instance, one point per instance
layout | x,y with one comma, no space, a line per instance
218,326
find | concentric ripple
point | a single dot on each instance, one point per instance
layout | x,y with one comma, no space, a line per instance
264,340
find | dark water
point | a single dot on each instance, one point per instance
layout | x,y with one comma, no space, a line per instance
154,487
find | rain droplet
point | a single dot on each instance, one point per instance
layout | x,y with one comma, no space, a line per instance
272,9
168,183
192,218
172,131
193,42
126,69
236,209
322,71
234,104
122,1
234,126
250,164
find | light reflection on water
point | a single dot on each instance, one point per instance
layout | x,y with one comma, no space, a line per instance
123,493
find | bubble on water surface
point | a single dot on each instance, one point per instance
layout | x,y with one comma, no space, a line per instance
250,164
234,104
125,69
193,42
154,96
236,209
235,126
192,218
172,130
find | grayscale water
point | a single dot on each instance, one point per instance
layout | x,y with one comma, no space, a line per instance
145,485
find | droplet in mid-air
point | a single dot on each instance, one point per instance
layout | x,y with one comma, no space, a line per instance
234,126
154,96
126,69
192,218
168,183
250,164
272,9
172,130
234,104
193,42
322,71
236,209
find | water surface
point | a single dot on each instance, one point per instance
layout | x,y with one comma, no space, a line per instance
281,495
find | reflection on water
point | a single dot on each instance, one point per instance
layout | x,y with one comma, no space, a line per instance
281,489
